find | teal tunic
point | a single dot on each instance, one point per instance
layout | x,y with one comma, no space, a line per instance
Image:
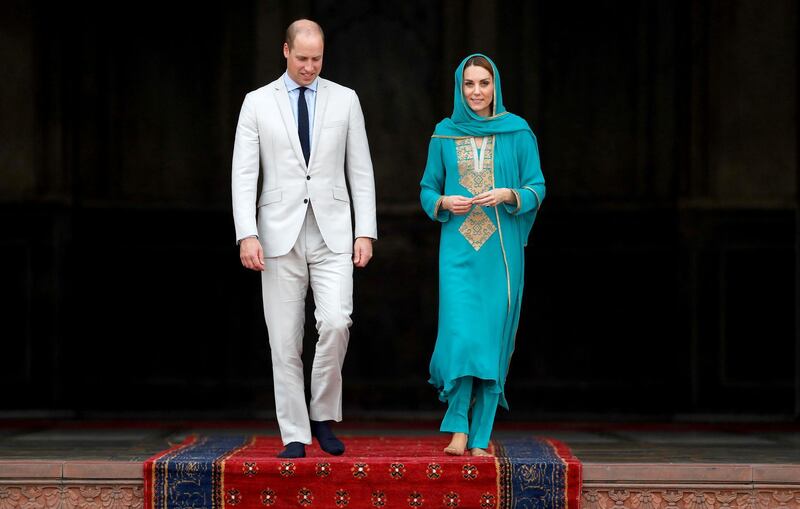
481,255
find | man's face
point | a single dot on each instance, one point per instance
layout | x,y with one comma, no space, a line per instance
304,58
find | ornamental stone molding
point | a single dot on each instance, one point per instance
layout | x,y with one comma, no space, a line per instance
691,497
78,496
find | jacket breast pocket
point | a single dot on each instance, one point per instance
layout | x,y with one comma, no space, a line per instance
334,124
271,196
340,193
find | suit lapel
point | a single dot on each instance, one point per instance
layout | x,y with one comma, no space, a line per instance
319,116
282,98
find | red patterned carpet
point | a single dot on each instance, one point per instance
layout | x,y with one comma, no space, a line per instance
243,473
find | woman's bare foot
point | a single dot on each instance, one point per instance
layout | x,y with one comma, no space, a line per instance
477,451
457,445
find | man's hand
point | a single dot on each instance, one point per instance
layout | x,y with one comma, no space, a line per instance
362,251
494,197
458,205
251,254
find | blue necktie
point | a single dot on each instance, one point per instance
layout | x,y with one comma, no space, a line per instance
302,124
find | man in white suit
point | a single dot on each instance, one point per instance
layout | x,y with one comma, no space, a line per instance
306,136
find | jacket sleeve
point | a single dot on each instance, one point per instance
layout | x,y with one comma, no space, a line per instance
360,176
244,172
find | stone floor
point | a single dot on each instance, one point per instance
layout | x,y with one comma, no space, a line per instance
625,467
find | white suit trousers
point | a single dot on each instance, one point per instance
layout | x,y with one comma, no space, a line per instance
284,283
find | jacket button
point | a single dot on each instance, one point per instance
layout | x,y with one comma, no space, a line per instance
308,177
305,200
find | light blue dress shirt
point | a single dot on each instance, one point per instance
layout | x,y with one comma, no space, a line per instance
311,101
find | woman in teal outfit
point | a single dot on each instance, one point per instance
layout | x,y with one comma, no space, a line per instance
483,182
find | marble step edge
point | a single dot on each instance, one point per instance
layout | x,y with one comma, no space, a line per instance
615,473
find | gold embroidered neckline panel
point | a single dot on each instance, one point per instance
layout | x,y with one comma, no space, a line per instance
476,174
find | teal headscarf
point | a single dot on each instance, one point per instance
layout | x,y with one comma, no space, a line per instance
465,122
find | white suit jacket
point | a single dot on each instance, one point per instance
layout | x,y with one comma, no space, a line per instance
267,141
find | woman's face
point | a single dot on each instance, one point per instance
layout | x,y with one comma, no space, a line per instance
478,90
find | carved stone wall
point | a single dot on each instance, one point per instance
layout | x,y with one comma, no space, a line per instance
71,496
691,497
129,495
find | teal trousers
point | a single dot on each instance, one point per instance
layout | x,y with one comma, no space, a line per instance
457,419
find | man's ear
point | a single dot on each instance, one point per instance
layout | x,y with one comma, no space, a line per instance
286,50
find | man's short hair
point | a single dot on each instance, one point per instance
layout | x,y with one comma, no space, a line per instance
305,26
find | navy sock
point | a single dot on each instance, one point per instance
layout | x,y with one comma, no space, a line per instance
293,450
321,430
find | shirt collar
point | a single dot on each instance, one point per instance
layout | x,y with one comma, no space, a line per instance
291,85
